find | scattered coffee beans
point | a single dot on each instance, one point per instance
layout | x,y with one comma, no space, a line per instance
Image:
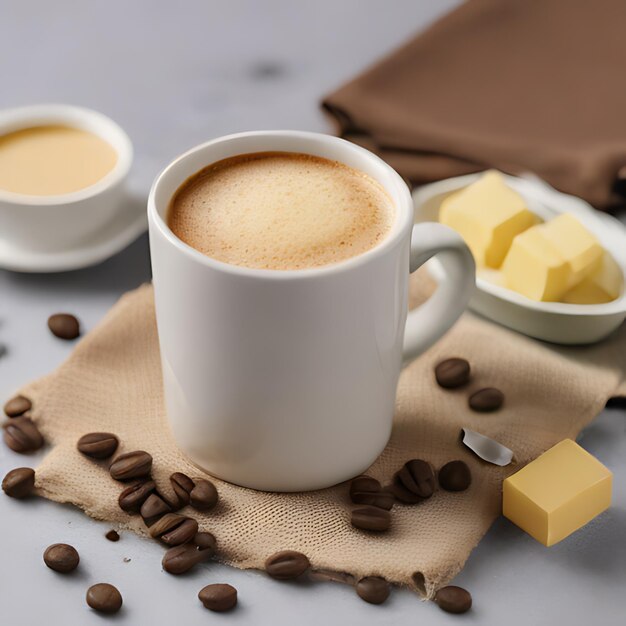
205,541
286,564
486,400
19,482
112,535
61,557
452,373
98,445
17,406
371,518
64,326
367,490
453,599
218,597
21,435
174,529
203,496
181,559
414,482
133,497
154,508
455,476
104,598
182,486
373,589
131,465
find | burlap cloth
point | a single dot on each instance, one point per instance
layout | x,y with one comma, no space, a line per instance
519,85
112,382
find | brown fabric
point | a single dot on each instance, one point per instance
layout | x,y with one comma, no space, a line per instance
520,85
112,382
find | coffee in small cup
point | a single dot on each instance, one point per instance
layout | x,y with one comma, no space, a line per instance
281,211
53,160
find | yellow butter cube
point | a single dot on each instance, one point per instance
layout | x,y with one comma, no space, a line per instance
487,214
575,244
603,285
557,493
534,268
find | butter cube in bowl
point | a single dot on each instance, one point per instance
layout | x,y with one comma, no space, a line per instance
548,264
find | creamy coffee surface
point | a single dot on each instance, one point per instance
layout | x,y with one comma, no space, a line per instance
53,160
281,211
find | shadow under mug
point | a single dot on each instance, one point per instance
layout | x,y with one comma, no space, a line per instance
286,380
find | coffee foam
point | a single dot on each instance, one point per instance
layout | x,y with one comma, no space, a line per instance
281,211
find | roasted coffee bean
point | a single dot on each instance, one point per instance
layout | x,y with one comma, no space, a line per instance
486,400
174,529
286,564
453,599
218,597
373,589
61,557
452,373
203,496
371,518
17,406
133,497
113,535
21,435
181,559
19,482
414,482
135,464
326,575
104,598
154,508
98,445
455,476
64,326
182,486
367,490
205,541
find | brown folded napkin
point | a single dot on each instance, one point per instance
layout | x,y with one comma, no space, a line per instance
532,85
112,382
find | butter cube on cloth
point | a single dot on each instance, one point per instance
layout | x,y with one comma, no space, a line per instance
557,493
487,214
603,285
548,260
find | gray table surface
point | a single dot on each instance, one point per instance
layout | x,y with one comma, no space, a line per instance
175,74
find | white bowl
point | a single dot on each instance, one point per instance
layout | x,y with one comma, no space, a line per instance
551,321
56,222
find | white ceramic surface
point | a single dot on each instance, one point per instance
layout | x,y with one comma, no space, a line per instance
57,222
121,230
286,380
551,321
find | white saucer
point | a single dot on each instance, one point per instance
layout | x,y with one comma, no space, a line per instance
557,322
130,222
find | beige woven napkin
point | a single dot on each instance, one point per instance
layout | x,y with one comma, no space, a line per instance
112,382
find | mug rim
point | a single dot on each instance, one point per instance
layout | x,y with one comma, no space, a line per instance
401,196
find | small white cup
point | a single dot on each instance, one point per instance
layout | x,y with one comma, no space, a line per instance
286,380
58,222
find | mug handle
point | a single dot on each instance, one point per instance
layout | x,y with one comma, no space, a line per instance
426,324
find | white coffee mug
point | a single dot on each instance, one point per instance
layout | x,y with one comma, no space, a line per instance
286,380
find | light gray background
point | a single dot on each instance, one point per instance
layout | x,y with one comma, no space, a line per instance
175,74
